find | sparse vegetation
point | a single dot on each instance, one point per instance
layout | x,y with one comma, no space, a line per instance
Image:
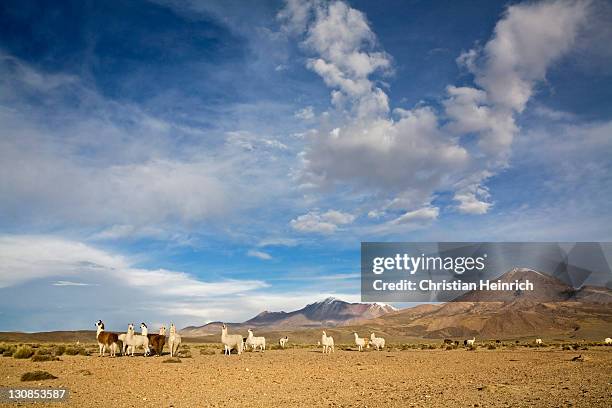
172,360
23,352
73,351
207,351
37,376
44,357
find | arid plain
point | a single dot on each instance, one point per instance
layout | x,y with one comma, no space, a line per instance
508,376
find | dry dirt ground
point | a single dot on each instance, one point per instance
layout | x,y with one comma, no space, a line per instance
306,377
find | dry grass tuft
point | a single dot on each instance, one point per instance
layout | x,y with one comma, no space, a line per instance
23,352
44,357
37,376
172,360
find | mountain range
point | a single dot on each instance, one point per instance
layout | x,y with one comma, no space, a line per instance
330,312
554,309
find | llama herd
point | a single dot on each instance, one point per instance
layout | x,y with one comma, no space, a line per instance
132,341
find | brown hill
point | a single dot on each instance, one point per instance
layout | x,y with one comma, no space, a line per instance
556,309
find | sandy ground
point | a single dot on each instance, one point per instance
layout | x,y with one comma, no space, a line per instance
306,377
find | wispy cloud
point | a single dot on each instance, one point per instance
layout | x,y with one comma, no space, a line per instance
71,283
259,254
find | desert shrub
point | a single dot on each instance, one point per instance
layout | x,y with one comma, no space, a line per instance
172,360
43,352
59,350
185,354
207,352
37,376
471,347
23,352
8,350
44,357
450,347
73,351
491,347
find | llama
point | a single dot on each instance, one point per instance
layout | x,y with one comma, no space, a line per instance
245,345
538,342
328,343
283,341
157,341
231,341
256,342
608,340
470,342
377,342
360,342
132,340
106,339
174,341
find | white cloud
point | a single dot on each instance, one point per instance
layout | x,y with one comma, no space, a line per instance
111,288
259,254
70,283
341,38
422,214
115,171
420,152
325,223
26,258
288,242
527,40
306,113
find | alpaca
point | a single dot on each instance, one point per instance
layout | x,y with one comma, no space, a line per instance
231,341
157,341
608,340
174,340
283,341
360,342
256,342
470,343
328,343
538,342
377,342
132,340
106,339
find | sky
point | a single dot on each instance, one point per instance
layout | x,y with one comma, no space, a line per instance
194,161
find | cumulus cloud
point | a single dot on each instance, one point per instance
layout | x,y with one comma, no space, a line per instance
420,152
325,223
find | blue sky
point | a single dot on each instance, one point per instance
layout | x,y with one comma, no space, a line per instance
195,161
